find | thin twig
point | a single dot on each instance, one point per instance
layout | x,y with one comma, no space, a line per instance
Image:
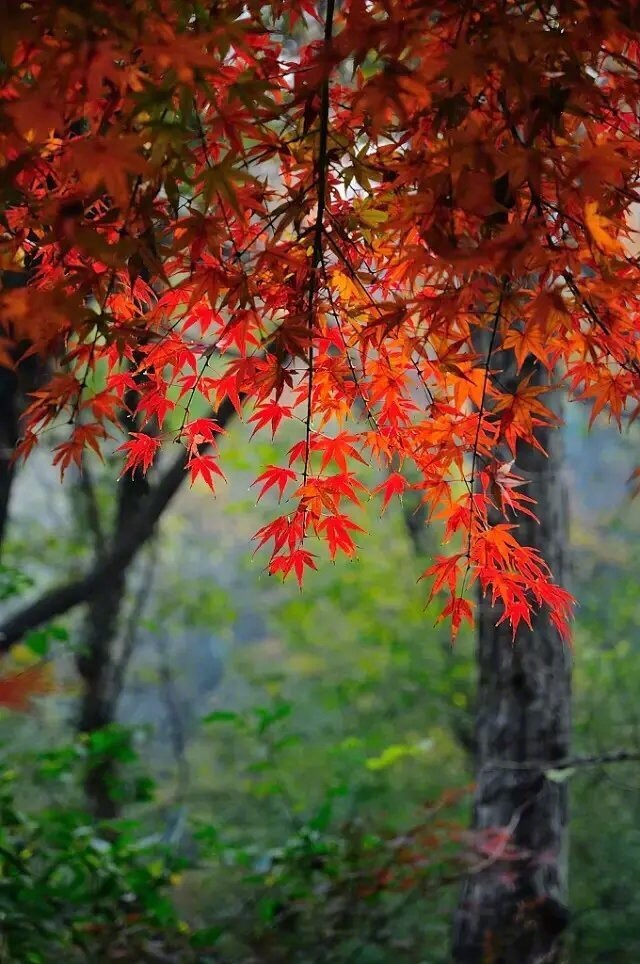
483,398
316,257
566,763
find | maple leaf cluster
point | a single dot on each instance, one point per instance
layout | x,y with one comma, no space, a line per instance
332,216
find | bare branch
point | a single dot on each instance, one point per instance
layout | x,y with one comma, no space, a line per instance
567,763
128,543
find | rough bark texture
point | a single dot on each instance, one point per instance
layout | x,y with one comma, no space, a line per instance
513,911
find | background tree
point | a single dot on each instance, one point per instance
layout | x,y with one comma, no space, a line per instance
514,906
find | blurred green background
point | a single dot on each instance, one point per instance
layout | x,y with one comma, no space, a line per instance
292,770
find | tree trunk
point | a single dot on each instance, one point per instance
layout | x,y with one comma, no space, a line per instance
14,386
95,665
513,908
95,661
8,439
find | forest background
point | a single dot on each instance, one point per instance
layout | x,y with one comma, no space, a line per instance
283,745
210,765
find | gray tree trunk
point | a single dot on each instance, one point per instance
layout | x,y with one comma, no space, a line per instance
97,704
96,662
513,910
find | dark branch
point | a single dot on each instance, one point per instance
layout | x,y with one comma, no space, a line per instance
123,551
568,763
321,174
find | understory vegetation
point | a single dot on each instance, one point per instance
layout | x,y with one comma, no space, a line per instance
292,771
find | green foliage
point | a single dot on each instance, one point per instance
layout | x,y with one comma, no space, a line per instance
13,582
316,824
605,804
332,880
72,891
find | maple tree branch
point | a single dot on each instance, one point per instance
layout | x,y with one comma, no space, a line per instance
567,763
321,174
630,365
483,399
55,602
356,381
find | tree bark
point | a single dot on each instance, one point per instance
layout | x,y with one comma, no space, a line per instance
14,386
8,439
95,666
95,660
513,908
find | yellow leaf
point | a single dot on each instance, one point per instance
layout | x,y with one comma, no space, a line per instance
347,288
597,227
372,216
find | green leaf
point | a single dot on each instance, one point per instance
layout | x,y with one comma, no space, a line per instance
221,716
205,937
